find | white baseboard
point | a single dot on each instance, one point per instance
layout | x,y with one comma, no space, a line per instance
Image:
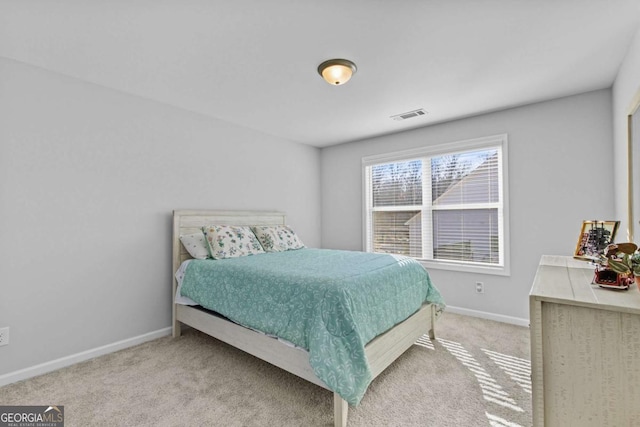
490,316
53,365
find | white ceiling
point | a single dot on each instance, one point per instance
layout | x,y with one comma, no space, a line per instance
253,62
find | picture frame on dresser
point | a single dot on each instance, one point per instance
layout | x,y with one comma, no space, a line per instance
594,237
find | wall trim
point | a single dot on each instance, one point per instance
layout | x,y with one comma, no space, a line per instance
490,316
62,362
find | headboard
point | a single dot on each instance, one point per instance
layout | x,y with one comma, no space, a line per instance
192,221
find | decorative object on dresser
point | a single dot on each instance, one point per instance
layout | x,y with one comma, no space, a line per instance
378,353
594,237
624,260
615,267
584,348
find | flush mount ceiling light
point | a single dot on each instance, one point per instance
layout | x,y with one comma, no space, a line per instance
337,71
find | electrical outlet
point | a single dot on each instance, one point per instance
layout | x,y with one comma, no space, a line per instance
4,336
480,287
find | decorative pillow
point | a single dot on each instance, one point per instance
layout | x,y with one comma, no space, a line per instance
277,238
196,245
229,241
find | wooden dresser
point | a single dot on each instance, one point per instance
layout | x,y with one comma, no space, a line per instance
585,348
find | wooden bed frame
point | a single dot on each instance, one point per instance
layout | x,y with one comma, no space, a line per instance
380,352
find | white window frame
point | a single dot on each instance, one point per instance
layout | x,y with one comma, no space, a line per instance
494,141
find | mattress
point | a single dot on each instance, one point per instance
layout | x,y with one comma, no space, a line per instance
329,302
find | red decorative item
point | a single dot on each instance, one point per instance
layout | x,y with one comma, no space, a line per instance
607,278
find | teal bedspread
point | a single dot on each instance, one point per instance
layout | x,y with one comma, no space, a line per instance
330,302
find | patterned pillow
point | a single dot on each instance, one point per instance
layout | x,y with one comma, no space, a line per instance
277,238
229,241
196,245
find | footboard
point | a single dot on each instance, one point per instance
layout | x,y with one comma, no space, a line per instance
381,352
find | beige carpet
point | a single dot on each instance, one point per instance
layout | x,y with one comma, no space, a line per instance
476,373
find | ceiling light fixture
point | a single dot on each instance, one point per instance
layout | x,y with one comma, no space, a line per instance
337,71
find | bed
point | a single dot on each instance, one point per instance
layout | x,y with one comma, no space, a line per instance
379,352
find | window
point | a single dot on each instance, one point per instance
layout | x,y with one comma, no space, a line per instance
445,205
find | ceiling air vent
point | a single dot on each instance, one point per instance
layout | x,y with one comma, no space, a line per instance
409,114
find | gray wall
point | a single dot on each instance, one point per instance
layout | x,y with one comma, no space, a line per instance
625,89
560,162
89,177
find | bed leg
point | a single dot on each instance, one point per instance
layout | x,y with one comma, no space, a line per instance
176,325
432,329
176,330
340,411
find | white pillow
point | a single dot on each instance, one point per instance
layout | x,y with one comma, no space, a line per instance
196,245
277,238
229,241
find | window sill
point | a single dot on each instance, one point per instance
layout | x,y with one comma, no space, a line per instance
465,268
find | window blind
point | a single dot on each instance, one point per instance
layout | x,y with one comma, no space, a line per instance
446,206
